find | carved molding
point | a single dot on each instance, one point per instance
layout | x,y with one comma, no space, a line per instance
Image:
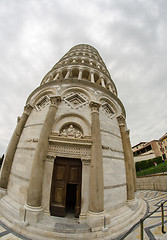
27,109
74,150
94,106
50,158
121,120
86,161
55,138
55,100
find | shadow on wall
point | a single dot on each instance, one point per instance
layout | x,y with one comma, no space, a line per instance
1,160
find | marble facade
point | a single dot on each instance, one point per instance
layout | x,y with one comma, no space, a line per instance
74,114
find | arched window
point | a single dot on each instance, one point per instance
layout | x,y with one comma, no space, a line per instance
85,74
75,72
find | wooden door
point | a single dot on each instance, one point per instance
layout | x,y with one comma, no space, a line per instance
74,177
58,193
66,171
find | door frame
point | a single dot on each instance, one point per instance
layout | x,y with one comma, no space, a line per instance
47,182
69,166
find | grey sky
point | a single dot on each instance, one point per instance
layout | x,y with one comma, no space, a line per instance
130,35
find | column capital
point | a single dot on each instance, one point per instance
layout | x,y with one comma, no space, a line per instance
121,120
85,161
50,158
27,109
94,106
55,100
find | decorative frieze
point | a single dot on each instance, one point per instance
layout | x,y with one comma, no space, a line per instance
71,150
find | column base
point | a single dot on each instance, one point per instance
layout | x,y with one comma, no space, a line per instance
3,192
97,220
32,215
133,204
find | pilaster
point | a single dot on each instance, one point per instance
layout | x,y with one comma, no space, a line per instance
85,188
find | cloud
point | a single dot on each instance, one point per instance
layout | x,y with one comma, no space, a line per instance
130,36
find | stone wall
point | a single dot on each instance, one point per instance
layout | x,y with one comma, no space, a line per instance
153,182
144,157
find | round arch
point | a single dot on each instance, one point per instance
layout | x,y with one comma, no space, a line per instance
74,119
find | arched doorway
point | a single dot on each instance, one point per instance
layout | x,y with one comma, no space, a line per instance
66,187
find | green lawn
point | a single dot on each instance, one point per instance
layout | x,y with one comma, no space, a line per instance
161,167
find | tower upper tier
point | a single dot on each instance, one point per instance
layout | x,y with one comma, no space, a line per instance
82,62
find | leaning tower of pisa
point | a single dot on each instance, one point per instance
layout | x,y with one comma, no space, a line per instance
69,160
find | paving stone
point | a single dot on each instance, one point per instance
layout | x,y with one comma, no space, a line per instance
152,225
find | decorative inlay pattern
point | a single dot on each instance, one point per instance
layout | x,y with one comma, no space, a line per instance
76,100
107,109
42,103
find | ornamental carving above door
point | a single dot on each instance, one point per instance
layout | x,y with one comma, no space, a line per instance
71,131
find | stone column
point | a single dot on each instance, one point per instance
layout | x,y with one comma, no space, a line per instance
109,87
34,193
80,74
7,163
92,77
102,82
85,187
132,160
57,75
96,199
127,157
47,182
68,73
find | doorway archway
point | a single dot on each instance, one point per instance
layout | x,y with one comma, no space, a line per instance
66,187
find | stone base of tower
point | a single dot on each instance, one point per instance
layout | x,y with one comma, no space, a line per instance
41,226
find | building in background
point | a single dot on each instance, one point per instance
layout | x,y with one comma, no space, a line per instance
163,140
148,150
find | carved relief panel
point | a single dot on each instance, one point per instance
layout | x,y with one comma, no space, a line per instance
71,131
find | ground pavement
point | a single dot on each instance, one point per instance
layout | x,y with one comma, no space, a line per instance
152,226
